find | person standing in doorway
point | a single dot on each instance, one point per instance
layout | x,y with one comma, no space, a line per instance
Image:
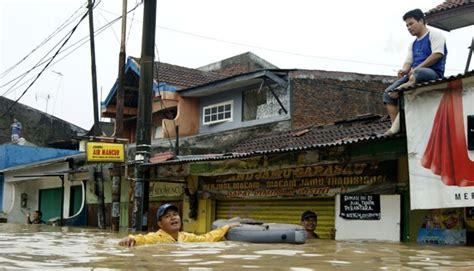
425,61
36,218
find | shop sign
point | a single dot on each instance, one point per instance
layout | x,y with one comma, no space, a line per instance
318,180
360,207
105,152
160,189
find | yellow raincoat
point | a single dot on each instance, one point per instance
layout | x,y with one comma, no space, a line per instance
162,237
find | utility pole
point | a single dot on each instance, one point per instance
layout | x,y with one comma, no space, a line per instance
97,130
117,172
145,97
93,68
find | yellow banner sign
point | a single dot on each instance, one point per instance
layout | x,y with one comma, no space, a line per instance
105,152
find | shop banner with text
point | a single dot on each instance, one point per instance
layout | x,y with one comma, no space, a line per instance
305,181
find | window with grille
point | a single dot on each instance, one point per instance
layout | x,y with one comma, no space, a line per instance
217,113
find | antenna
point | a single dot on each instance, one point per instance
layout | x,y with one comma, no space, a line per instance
43,96
58,73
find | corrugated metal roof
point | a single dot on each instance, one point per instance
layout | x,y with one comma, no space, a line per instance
79,156
339,133
12,155
441,80
360,129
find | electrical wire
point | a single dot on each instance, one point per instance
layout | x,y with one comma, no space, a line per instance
46,66
20,77
132,21
82,41
46,40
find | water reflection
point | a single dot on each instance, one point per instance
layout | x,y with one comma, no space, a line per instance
47,247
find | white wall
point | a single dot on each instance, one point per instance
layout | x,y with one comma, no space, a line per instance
14,187
386,229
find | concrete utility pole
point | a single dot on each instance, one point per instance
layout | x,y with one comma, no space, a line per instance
93,69
117,172
97,130
145,97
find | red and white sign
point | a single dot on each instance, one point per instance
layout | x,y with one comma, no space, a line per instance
440,165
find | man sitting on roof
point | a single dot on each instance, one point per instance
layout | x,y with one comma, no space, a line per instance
425,60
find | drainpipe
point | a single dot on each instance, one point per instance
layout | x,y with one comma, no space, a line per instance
176,148
61,223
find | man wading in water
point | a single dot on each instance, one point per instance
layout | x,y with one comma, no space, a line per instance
169,222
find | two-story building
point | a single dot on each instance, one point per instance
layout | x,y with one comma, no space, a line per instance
218,106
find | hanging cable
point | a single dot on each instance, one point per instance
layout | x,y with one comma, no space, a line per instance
82,41
46,66
46,40
132,21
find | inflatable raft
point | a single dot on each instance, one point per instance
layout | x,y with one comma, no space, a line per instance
259,232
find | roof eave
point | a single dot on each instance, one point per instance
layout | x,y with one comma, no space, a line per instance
232,82
453,18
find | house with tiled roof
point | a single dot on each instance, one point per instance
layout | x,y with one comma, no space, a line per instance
243,93
237,107
167,80
276,176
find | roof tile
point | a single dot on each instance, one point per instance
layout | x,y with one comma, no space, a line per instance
338,133
448,4
181,77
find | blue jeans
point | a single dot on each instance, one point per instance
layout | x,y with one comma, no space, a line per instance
420,74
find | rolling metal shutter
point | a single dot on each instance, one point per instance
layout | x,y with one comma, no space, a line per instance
280,211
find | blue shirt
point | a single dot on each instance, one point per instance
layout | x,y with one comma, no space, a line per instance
16,128
421,50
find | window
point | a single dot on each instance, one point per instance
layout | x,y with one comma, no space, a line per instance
251,100
217,113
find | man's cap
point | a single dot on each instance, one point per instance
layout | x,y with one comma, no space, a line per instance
308,214
162,210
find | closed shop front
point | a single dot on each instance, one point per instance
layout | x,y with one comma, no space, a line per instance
281,195
280,211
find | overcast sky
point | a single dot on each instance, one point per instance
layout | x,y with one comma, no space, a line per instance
363,36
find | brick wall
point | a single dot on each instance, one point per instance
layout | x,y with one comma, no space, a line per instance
325,100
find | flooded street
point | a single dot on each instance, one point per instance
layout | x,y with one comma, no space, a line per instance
46,247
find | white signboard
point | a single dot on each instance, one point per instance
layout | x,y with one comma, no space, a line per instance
387,228
441,167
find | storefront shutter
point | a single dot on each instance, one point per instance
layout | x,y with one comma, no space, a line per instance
280,211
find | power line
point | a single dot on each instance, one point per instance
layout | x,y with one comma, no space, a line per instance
46,40
268,49
274,50
46,66
82,41
38,64
132,21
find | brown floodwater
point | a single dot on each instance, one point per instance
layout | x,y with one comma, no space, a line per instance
28,247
